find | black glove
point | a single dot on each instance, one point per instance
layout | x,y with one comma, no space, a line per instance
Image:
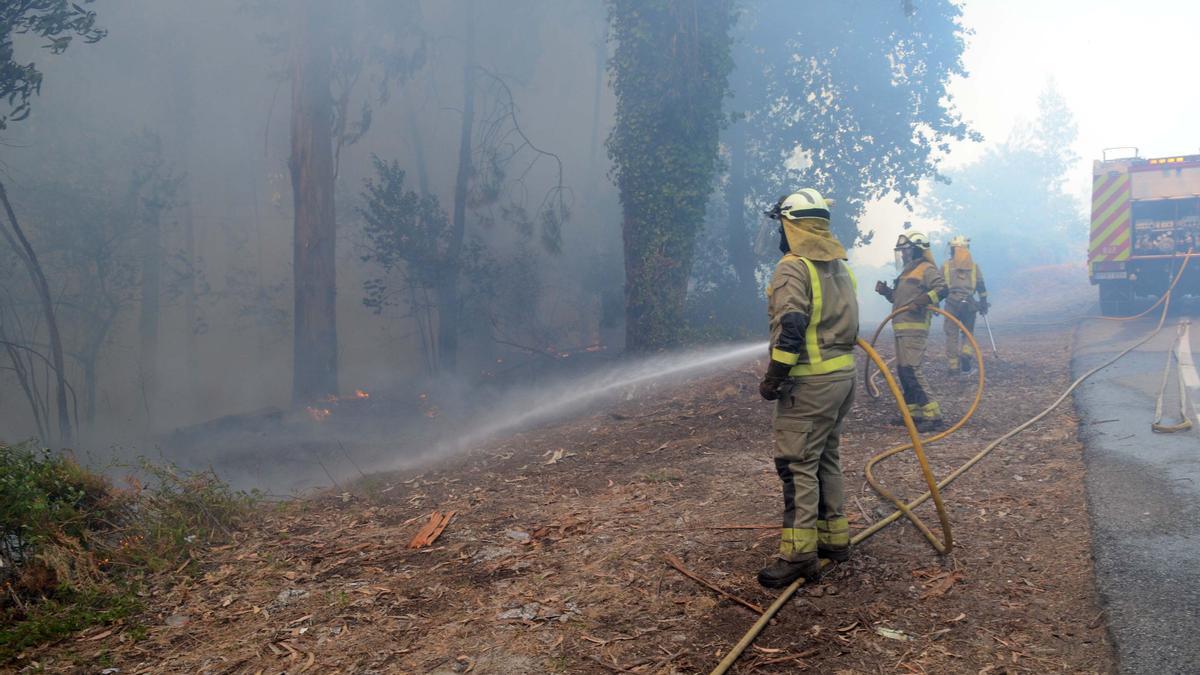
983,306
884,290
777,374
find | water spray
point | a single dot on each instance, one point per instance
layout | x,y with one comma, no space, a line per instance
556,400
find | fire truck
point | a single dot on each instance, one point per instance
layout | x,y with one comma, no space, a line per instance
1145,219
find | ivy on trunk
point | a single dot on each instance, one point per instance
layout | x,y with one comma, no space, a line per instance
670,72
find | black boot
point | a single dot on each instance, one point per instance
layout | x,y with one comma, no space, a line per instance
834,553
965,363
782,572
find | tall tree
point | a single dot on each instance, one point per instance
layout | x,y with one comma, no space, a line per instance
314,348
448,294
153,194
57,22
670,72
330,48
1030,169
848,99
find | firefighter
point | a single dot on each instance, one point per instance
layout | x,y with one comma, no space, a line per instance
965,281
813,315
918,286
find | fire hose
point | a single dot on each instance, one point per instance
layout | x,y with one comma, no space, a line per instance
917,444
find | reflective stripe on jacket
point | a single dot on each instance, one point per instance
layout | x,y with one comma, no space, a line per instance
919,277
823,291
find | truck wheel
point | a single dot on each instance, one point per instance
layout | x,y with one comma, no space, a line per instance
1116,298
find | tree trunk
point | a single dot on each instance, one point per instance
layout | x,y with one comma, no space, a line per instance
29,258
314,369
670,72
418,141
184,105
448,293
189,294
741,256
658,263
151,255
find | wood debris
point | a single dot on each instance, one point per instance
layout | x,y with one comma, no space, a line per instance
432,530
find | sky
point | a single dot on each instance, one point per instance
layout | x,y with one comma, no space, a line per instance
1122,66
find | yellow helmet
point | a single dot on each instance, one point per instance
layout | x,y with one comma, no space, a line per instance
960,241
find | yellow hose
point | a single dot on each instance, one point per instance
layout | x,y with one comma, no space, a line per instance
944,546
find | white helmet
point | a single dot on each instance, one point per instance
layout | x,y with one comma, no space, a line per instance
909,247
805,203
914,240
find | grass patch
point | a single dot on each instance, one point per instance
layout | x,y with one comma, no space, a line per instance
52,619
74,547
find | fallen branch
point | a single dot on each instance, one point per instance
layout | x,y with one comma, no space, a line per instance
678,565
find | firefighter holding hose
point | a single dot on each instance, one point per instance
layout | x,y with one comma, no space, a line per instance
919,285
813,315
965,280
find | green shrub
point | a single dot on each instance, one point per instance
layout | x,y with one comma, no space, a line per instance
73,547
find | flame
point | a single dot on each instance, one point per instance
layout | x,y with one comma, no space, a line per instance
334,398
318,414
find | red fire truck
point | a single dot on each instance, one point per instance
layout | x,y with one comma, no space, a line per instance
1145,218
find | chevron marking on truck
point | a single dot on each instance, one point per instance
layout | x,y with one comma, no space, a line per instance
1111,218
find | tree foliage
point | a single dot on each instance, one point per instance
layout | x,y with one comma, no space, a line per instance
670,73
849,99
55,21
407,236
1013,202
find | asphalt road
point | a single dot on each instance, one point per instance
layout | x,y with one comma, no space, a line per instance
1143,491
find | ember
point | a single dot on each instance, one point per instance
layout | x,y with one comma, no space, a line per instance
318,414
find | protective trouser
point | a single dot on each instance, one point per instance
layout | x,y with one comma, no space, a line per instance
964,310
808,425
910,351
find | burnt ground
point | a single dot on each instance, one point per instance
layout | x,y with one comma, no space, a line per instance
554,559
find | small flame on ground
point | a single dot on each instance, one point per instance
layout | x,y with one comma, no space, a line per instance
318,414
359,393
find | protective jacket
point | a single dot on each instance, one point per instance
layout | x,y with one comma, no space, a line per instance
963,276
813,313
920,277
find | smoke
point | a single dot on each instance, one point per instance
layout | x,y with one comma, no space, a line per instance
347,438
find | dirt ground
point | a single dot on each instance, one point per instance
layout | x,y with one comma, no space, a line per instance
555,558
